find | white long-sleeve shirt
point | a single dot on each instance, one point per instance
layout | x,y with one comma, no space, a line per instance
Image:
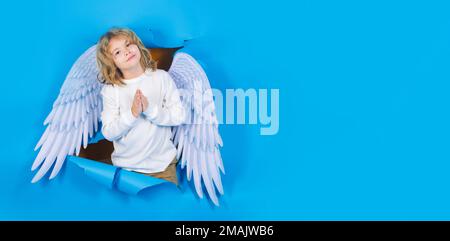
142,144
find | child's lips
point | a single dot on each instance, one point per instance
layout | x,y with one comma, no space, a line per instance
132,56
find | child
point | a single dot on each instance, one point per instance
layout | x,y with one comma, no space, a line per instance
140,103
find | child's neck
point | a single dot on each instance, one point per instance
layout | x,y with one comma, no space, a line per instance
133,72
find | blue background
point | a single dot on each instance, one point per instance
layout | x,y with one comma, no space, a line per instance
364,120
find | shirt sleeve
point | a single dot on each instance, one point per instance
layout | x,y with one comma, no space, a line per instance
172,112
115,123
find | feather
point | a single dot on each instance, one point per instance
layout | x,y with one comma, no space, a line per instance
63,151
198,139
194,157
42,139
73,118
44,149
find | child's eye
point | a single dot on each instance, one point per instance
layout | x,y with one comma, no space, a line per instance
117,53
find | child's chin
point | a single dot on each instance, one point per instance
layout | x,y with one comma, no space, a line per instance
134,61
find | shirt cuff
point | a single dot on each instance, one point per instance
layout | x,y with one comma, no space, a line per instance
128,118
152,111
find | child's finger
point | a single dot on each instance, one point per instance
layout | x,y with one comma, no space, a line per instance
138,99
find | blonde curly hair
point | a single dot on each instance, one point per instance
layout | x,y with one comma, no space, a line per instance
109,72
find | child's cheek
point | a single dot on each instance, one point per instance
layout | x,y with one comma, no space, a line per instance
124,60
136,50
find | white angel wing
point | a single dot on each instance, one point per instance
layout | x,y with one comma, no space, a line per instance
198,140
74,117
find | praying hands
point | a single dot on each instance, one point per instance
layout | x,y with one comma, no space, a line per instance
140,103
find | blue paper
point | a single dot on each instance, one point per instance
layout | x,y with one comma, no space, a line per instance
133,183
100,172
162,39
114,177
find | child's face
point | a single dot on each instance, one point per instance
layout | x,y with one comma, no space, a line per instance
125,54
